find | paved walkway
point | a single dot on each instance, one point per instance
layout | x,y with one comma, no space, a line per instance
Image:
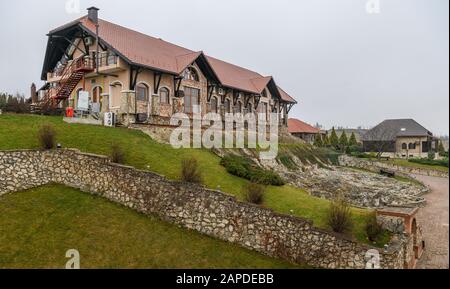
434,220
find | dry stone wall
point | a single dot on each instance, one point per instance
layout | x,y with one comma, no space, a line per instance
194,207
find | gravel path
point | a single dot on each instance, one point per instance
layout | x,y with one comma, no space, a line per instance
434,220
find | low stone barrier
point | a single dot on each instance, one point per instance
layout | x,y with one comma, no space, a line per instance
376,166
194,207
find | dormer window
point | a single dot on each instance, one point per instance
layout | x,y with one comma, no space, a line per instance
191,74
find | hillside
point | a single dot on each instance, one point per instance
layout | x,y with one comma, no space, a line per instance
20,132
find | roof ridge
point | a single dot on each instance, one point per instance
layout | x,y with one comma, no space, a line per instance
235,65
146,35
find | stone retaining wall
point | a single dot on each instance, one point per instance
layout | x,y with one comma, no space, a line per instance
194,207
375,166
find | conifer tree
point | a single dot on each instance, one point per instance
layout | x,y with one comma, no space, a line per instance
353,141
326,141
334,140
343,140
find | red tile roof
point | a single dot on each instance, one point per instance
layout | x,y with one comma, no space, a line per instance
298,126
164,56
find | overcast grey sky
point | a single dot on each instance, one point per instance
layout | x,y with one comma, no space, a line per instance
345,67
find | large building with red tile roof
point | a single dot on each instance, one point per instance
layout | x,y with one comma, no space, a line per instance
145,79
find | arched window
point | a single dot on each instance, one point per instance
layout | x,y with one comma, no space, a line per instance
191,74
227,105
404,146
213,104
141,92
239,107
96,94
164,95
412,146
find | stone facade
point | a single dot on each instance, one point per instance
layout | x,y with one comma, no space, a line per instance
194,207
376,166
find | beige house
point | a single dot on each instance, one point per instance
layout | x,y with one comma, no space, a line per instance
143,79
400,138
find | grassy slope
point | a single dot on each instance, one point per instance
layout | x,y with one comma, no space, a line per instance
106,235
19,131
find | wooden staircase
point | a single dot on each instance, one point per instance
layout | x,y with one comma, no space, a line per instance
70,77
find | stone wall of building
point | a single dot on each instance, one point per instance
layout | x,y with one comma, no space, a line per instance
194,207
376,166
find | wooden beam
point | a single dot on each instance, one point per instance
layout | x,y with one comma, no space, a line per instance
289,107
157,81
177,84
210,90
257,100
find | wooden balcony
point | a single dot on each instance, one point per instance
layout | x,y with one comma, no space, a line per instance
107,63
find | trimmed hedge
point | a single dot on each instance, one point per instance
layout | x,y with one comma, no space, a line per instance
247,169
440,163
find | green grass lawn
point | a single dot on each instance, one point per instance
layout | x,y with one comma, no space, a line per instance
20,131
406,163
38,226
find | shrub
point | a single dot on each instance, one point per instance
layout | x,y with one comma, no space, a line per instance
431,155
442,163
247,169
190,172
117,154
355,149
254,193
339,216
374,230
47,136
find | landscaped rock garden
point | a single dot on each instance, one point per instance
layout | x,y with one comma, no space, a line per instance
362,189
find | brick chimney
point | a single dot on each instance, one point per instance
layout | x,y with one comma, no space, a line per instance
93,14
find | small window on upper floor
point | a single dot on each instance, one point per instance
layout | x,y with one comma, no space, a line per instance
213,104
227,106
141,92
164,95
191,74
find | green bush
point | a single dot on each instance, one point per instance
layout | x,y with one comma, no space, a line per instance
355,149
441,163
339,216
374,230
254,193
363,155
247,169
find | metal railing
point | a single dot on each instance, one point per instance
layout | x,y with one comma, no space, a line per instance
107,59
